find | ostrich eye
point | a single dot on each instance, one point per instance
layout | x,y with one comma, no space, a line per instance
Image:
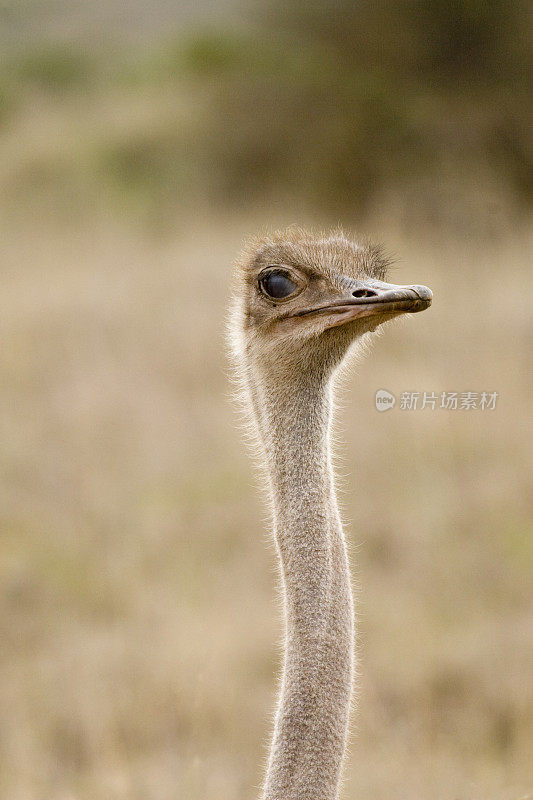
277,285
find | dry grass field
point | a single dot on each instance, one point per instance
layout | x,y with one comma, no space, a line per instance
139,619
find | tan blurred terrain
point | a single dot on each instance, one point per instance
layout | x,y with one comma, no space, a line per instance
139,618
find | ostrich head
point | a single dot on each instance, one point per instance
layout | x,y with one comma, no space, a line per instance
302,300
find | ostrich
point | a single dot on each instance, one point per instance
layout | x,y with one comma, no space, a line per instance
300,302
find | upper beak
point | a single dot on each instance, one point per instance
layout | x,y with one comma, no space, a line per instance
371,298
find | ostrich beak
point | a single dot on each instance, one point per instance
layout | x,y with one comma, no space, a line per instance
372,298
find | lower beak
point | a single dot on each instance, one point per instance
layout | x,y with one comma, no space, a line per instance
374,298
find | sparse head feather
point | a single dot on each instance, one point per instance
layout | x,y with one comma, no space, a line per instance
328,253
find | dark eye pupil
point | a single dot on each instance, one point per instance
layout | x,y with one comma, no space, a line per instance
277,285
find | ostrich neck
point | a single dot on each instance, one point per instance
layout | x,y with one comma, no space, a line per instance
312,717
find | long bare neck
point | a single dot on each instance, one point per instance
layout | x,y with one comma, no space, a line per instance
312,717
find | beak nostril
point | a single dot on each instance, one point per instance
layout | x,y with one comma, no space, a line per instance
364,293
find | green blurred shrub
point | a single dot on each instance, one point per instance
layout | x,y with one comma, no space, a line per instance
137,161
55,68
6,101
149,169
211,54
336,100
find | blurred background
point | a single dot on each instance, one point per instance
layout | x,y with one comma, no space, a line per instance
140,142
